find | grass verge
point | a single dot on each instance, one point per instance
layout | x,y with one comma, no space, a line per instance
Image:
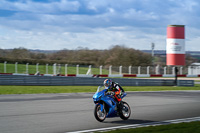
78,89
191,127
21,68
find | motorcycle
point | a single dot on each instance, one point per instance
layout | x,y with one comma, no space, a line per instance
107,107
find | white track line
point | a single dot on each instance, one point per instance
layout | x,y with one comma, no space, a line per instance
141,125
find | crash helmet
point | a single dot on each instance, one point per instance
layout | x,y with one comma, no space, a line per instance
107,83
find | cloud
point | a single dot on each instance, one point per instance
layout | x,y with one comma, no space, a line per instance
94,23
96,14
38,7
100,38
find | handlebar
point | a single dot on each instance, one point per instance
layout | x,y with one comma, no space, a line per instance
110,93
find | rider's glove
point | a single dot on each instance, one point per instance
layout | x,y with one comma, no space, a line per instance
107,93
112,93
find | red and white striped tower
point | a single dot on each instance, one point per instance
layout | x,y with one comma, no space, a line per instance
175,45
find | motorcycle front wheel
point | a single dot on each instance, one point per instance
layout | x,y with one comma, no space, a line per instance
99,115
125,111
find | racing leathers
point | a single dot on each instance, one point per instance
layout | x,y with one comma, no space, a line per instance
118,91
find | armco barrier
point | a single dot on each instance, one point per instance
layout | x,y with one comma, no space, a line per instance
84,81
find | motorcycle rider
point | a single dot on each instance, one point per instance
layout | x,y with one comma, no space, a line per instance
115,89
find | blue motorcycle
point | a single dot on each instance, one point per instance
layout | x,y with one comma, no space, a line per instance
107,107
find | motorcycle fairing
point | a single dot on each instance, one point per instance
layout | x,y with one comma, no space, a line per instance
111,105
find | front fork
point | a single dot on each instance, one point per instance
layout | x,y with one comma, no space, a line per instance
102,107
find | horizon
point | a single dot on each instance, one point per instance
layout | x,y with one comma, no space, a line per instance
90,49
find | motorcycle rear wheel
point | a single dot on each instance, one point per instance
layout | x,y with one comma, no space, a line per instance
99,115
125,111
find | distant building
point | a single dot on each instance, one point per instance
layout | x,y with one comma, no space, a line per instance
195,64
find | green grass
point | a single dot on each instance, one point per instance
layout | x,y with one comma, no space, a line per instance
191,127
45,89
21,68
78,89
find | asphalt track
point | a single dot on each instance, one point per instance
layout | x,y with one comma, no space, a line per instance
60,113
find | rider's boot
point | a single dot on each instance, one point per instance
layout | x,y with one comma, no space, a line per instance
120,105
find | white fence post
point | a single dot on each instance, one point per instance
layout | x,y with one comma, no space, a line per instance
157,69
165,70
54,69
148,69
27,68
181,70
66,69
5,66
120,70
37,69
77,69
89,72
100,69
139,69
173,71
16,67
129,69
110,70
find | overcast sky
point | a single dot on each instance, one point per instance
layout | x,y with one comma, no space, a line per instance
96,24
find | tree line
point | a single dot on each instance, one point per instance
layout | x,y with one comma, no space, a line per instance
116,56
